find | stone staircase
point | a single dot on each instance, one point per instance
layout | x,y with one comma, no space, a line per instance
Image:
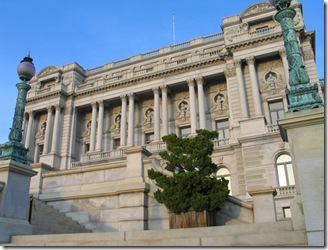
47,220
262,234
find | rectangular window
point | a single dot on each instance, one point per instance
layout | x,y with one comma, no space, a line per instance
287,213
222,126
41,149
86,147
277,111
282,175
149,137
185,131
117,143
290,173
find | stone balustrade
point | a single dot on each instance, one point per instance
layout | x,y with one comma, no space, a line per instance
272,128
156,147
119,153
159,51
287,190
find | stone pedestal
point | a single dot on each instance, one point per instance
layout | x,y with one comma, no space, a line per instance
14,199
134,165
252,126
304,130
133,214
263,204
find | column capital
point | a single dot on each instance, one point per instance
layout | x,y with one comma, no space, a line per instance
229,72
250,60
191,82
237,63
58,106
200,80
49,108
30,113
155,90
94,104
123,98
101,103
164,88
131,96
282,53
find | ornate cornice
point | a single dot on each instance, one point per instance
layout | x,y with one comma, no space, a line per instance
57,93
153,75
256,8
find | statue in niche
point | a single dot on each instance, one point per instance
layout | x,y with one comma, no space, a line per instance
271,78
118,119
219,101
271,81
182,110
42,131
148,116
87,130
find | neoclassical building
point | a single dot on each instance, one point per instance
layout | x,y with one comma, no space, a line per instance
93,133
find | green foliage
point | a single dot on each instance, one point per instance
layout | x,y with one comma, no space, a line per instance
193,184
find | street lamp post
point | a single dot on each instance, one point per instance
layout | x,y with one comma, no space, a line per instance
302,94
14,149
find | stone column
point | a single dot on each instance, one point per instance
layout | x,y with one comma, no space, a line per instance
255,86
73,133
283,56
201,102
230,72
93,126
29,128
48,131
241,90
100,126
131,120
156,114
165,128
55,134
123,121
192,103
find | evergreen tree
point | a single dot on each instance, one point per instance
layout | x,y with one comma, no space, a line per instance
193,185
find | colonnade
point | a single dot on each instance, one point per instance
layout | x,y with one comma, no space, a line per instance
52,130
195,86
254,84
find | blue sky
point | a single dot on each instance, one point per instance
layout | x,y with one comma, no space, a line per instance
95,32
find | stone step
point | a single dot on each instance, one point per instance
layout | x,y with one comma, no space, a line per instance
47,220
264,234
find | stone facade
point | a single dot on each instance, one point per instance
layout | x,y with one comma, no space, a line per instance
98,130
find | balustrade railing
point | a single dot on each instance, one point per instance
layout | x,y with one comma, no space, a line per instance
261,32
221,142
271,128
158,51
96,156
286,190
156,147
119,153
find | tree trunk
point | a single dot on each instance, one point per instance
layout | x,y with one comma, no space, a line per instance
192,219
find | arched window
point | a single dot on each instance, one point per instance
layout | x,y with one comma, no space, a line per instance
285,171
224,172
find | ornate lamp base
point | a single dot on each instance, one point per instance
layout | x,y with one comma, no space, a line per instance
13,151
302,97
